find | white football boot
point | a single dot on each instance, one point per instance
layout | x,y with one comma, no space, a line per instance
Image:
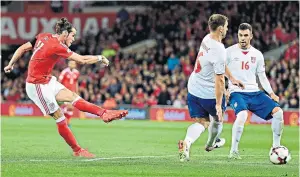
234,155
184,151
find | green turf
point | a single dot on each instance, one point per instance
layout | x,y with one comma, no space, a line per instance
32,147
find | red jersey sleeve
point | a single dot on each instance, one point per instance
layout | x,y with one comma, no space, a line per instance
63,51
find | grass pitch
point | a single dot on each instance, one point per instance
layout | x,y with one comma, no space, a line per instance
32,147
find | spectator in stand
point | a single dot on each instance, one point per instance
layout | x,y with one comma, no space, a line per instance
294,101
109,103
139,98
123,14
57,6
77,6
114,87
292,53
187,68
13,95
164,97
173,62
152,101
179,102
127,99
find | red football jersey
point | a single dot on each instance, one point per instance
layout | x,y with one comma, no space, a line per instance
69,78
47,51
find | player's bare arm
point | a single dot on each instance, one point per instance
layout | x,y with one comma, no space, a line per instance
18,53
89,59
227,95
274,97
220,87
266,85
232,79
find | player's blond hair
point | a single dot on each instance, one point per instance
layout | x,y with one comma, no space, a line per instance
216,20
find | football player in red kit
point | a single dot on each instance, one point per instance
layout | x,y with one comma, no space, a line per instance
44,89
69,78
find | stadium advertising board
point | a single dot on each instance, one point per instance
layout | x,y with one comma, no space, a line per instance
175,114
291,117
17,28
135,113
169,114
12,109
18,109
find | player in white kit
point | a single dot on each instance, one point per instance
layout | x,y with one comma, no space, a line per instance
206,86
245,62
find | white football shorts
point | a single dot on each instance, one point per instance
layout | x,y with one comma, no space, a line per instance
43,95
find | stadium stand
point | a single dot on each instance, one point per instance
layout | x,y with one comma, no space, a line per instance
160,74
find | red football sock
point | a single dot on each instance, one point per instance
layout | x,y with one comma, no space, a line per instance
85,106
68,117
67,134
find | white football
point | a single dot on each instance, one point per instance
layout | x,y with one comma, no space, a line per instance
280,155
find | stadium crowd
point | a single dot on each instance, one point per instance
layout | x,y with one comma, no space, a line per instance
159,75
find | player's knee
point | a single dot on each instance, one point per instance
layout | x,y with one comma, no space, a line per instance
57,114
216,119
69,107
277,113
241,117
277,110
203,122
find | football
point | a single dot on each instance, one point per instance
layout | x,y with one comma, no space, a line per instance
280,155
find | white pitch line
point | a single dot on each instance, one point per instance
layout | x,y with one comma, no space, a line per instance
44,160
163,156
130,157
134,157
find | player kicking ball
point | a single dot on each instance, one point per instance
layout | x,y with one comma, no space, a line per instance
246,62
206,87
44,89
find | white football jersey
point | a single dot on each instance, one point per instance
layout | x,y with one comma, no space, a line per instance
244,66
210,61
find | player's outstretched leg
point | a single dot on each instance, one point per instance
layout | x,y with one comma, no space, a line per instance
193,133
214,130
66,95
237,131
106,115
68,136
277,126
